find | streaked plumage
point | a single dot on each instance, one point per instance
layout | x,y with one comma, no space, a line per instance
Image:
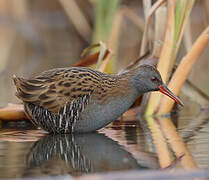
80,99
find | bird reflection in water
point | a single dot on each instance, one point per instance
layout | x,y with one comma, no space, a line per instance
81,153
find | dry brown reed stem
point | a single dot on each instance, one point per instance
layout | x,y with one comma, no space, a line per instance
77,18
205,5
166,52
163,64
147,4
147,24
187,38
13,112
184,69
160,143
160,24
177,143
146,7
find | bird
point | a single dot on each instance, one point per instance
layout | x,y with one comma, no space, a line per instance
81,99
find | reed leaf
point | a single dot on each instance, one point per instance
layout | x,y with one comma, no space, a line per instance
105,13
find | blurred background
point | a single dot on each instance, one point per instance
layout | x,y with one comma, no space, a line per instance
37,35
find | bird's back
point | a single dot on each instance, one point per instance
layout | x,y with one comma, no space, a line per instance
54,88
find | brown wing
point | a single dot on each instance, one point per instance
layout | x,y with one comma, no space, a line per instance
55,88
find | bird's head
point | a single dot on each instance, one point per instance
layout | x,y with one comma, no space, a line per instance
147,78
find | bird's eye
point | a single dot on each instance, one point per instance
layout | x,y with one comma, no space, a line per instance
154,79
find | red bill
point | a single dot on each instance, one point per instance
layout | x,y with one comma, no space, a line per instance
163,89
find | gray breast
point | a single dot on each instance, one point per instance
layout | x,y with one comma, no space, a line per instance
96,115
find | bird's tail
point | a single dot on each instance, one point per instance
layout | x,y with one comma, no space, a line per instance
25,91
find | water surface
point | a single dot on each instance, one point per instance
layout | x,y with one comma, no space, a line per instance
126,145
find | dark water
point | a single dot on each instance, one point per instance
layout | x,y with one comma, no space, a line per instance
127,145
